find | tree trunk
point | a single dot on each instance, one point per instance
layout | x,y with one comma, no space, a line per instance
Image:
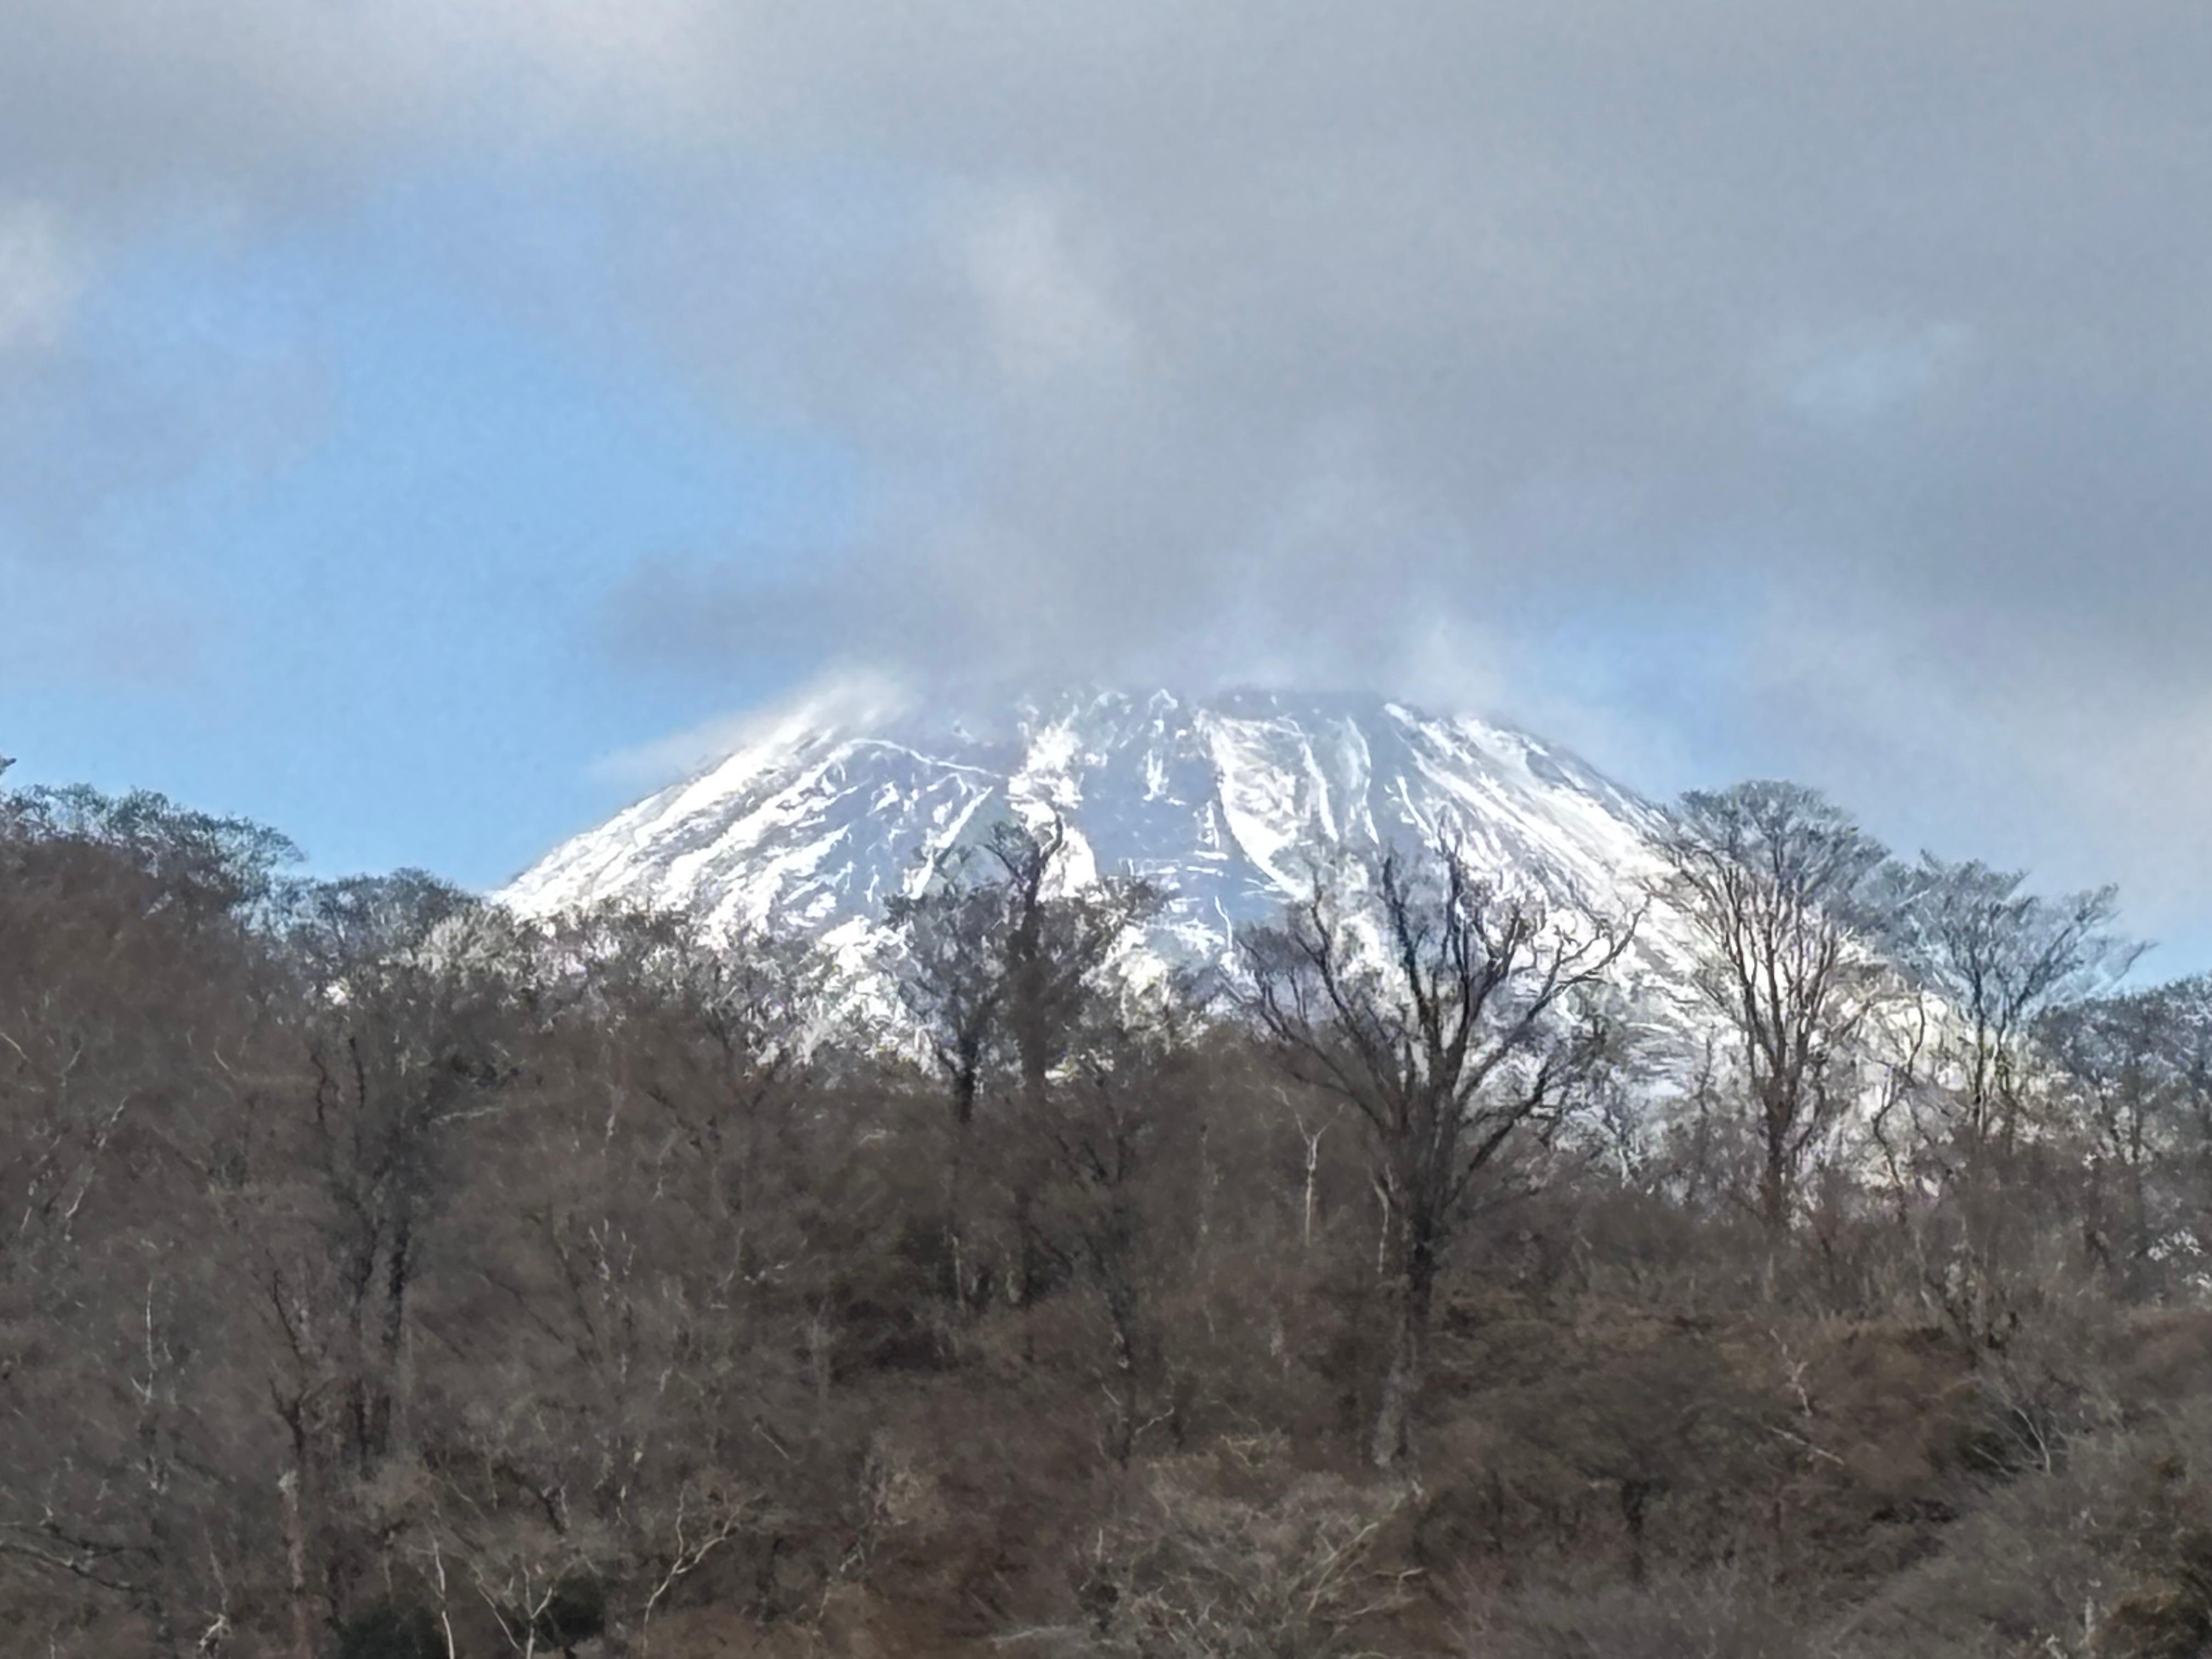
966,1083
388,1405
1635,1500
1774,1173
955,1266
300,1592
1117,1282
1402,1381
163,1625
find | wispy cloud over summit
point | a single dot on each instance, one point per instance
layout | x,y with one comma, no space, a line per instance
1799,389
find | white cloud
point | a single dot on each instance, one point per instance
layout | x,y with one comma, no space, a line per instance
1213,335
837,697
1858,378
1045,311
41,274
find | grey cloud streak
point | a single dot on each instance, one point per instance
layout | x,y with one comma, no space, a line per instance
1812,389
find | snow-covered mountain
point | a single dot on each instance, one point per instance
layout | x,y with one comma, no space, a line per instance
1228,802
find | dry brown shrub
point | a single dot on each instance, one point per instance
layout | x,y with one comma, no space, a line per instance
1210,1564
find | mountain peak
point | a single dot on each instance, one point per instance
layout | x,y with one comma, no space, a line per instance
819,813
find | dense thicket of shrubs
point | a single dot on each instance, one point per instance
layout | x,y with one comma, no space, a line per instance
381,1277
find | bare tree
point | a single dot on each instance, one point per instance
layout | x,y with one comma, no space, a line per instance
632,1332
1468,1021
731,1023
128,989
1774,879
999,968
1126,1109
406,1024
2000,960
2137,1070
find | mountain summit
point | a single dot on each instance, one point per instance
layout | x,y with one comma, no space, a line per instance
1228,802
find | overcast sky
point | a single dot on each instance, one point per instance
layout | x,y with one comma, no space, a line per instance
413,411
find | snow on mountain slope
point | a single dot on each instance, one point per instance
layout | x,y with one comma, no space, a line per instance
1228,802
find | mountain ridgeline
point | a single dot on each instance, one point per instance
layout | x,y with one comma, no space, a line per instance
1231,805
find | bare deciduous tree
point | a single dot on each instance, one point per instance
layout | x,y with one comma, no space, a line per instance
1466,1021
406,1016
2000,959
1774,879
2135,1068
1000,966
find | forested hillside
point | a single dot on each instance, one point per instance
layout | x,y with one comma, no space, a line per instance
385,1277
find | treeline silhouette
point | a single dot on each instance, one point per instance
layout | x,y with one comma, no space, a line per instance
385,1277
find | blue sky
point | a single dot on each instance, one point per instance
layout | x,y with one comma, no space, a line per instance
381,622
417,415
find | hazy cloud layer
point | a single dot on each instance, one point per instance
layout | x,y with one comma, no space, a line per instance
1818,389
